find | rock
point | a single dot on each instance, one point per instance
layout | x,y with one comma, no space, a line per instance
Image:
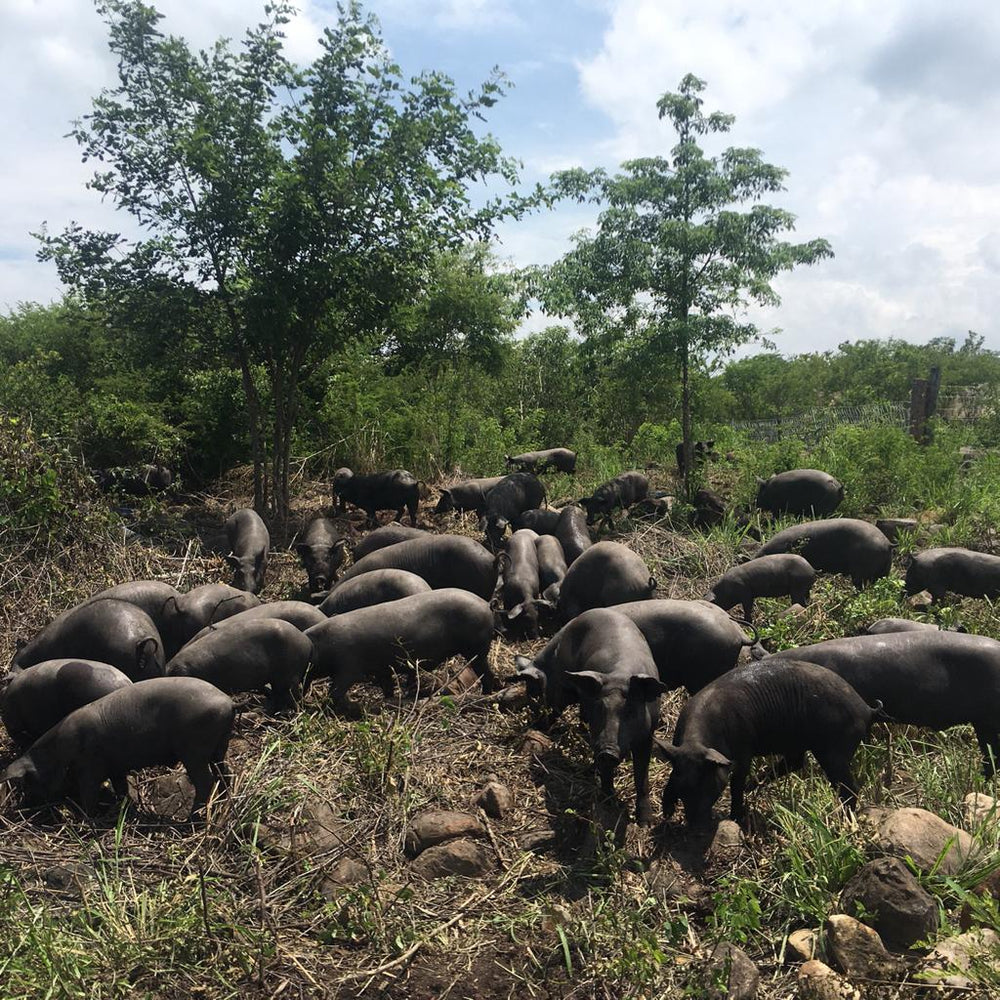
949,962
728,838
535,743
347,871
802,945
793,611
169,796
495,799
456,857
977,809
819,982
892,526
856,949
435,826
921,601
465,680
666,880
924,837
316,829
886,896
730,965
541,839
512,698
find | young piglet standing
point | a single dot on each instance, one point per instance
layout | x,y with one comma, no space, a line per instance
766,576
601,661
519,567
763,708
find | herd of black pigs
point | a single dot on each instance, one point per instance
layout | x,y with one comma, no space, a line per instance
141,675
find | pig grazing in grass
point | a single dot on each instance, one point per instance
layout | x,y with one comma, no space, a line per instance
767,576
396,490
249,547
156,723
763,708
956,571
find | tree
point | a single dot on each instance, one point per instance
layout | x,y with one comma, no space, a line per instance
673,265
301,205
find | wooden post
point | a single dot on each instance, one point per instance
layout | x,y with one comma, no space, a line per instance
918,408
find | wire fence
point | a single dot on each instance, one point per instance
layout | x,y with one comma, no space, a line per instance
815,424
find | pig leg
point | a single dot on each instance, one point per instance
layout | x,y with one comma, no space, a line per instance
748,610
640,771
89,783
737,791
989,744
480,663
202,778
411,505
836,766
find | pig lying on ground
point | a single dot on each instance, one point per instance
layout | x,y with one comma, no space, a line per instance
33,701
767,576
541,521
763,708
601,661
249,546
108,631
156,723
885,626
551,563
370,643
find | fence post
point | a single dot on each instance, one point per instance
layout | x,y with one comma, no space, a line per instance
918,408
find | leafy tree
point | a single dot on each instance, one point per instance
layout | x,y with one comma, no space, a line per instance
301,206
673,264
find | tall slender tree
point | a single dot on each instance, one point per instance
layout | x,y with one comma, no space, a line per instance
674,263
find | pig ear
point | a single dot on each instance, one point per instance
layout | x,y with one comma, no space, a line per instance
145,653
714,757
482,523
667,750
586,682
516,611
710,596
503,561
646,687
652,584
301,548
163,610
231,558
523,664
535,679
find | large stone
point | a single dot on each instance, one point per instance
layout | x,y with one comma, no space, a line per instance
819,982
436,826
456,857
315,830
347,871
920,601
949,963
731,965
794,611
979,809
886,896
802,945
728,838
856,949
495,799
926,838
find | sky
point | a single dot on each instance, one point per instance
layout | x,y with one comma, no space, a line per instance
885,114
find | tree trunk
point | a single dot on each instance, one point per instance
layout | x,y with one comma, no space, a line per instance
256,442
686,417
